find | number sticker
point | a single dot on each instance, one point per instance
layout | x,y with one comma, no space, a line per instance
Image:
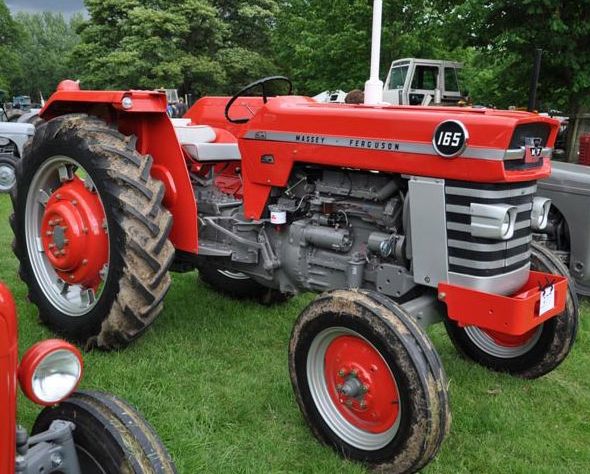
450,138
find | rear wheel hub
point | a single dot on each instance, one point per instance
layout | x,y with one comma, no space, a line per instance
73,234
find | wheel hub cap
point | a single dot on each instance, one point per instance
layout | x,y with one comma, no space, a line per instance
361,384
73,236
7,176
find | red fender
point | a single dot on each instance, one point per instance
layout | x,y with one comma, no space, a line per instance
8,374
141,113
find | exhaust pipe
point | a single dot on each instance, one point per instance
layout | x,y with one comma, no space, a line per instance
535,80
374,86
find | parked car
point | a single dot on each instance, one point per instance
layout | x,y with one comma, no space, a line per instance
78,432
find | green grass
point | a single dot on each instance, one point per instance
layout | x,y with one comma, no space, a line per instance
212,378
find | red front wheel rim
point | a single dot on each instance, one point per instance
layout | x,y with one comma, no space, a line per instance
354,388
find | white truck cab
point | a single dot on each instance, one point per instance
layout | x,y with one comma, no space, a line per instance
413,81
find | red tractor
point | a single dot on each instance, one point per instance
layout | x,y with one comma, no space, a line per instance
400,217
77,433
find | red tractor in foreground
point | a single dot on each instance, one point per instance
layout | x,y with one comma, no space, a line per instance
78,432
399,217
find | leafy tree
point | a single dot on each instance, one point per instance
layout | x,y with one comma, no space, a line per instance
203,46
47,41
505,33
9,41
326,45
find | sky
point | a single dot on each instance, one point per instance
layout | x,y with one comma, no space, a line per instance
67,7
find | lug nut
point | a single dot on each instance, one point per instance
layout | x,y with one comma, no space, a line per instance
72,277
363,404
341,373
339,387
364,389
85,261
48,233
348,403
74,202
51,246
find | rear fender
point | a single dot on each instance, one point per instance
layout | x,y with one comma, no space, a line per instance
143,114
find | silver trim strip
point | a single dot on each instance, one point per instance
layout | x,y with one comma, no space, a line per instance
480,265
467,210
375,144
510,244
504,284
467,228
518,153
491,194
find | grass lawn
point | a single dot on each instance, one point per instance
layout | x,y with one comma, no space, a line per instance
212,377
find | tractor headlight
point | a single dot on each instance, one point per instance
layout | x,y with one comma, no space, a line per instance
50,372
540,214
493,221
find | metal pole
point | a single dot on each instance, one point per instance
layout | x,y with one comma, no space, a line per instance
374,86
535,80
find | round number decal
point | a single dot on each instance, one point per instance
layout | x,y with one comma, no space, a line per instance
450,138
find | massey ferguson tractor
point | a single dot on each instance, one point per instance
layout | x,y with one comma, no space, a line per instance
78,432
399,217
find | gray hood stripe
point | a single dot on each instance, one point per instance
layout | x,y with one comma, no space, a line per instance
393,146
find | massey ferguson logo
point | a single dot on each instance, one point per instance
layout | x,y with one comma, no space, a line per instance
450,139
533,149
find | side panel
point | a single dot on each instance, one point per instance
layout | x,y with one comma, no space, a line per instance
8,372
428,231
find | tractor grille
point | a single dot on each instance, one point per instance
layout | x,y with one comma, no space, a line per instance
470,255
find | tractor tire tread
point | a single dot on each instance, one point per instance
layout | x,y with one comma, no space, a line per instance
138,216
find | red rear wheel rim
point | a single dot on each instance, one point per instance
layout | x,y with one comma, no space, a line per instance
73,234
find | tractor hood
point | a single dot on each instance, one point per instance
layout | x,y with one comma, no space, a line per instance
492,146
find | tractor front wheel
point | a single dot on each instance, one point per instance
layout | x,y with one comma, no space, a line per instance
90,232
534,353
368,381
110,436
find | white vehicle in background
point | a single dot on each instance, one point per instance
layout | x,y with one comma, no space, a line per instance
13,137
413,81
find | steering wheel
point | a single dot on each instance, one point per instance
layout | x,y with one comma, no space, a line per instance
259,83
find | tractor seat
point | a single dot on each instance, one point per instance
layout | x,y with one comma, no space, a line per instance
198,142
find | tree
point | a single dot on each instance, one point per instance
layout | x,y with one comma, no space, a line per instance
505,33
47,41
9,41
200,46
326,45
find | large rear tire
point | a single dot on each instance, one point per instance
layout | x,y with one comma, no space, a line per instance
90,231
368,381
110,436
535,353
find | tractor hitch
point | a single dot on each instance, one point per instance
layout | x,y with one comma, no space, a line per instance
540,299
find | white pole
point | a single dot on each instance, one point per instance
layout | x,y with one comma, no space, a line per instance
374,86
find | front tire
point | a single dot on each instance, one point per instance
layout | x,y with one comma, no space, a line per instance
535,353
90,232
110,436
368,381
